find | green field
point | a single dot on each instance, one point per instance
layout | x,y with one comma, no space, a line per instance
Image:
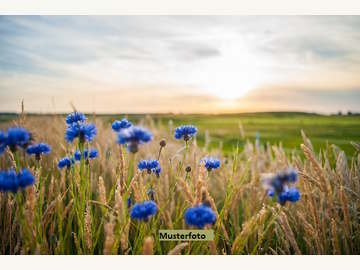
270,127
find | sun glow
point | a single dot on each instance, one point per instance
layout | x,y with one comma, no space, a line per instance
236,72
230,87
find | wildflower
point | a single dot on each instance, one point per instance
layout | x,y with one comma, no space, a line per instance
211,163
185,132
38,150
150,166
75,117
8,181
188,169
12,181
143,211
85,132
199,216
88,154
65,162
122,124
25,178
2,142
17,136
281,186
293,194
134,136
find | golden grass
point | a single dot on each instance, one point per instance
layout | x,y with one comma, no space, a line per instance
324,221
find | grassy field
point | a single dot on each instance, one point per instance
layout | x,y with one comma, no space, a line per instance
85,209
274,128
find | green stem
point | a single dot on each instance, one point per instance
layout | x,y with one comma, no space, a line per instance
184,156
40,201
131,168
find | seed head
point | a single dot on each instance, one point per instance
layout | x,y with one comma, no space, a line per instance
163,143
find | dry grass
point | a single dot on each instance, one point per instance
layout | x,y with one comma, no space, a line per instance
54,221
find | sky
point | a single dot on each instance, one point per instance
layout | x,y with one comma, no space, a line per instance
180,64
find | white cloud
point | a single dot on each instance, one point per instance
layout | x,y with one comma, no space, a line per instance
65,57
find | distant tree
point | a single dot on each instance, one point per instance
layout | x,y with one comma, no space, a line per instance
340,113
349,113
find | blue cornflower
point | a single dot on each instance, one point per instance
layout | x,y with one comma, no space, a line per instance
91,154
8,181
85,132
143,211
75,117
38,150
289,194
280,185
199,216
150,166
12,181
282,197
2,142
133,136
211,163
25,178
185,132
65,162
292,175
293,194
122,124
17,136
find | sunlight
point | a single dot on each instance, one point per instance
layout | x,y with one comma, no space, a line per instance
236,72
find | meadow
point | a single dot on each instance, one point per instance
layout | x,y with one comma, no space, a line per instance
87,206
229,130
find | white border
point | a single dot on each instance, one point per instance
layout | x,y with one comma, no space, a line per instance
180,7
177,7
179,262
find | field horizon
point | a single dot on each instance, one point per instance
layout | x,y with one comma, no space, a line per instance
232,129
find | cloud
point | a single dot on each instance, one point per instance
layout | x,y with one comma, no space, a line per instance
208,58
290,98
193,51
